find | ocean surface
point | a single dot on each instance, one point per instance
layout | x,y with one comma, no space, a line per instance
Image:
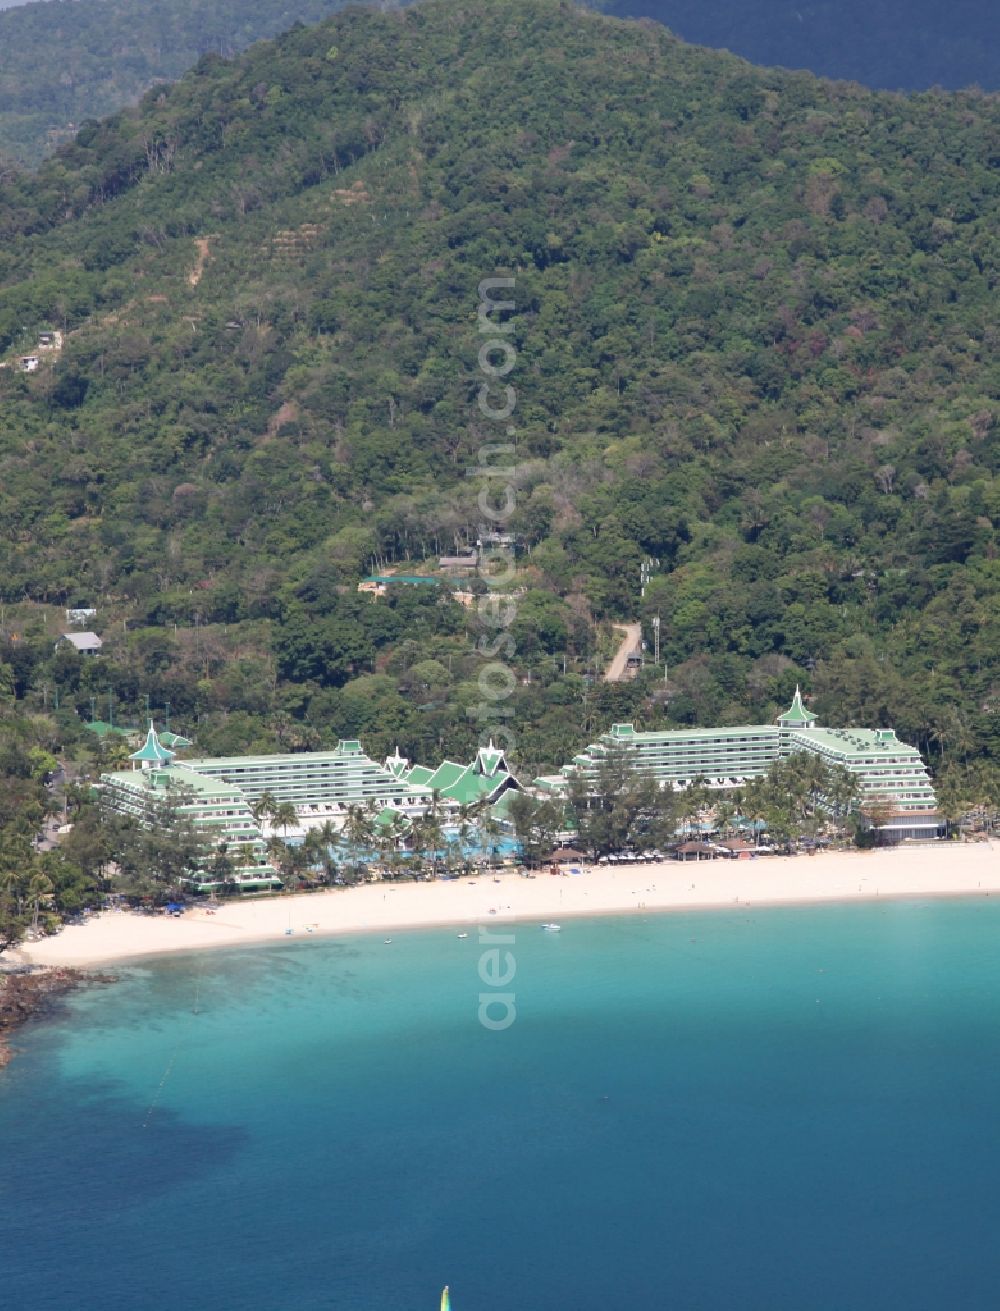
898,44
784,1110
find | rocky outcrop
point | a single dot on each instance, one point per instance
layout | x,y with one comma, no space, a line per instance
27,993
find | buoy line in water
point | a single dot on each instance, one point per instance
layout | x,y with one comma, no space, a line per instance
195,1010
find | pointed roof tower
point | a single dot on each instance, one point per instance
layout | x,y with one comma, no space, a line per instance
152,751
489,760
797,716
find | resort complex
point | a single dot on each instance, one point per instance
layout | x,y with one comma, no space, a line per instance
887,770
221,796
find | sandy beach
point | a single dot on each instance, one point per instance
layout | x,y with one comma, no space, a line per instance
968,869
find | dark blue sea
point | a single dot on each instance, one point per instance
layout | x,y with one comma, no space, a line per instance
789,1110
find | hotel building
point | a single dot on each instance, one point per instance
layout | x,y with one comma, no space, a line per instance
726,758
219,794
321,785
156,788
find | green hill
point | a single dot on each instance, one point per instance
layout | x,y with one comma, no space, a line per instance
65,61
755,340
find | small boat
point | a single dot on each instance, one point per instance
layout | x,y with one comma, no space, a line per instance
551,928
445,1299
463,935
387,941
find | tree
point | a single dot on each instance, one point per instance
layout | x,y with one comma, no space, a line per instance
536,823
264,808
358,835
327,840
841,792
491,830
38,890
877,811
619,807
280,854
284,816
428,833
221,868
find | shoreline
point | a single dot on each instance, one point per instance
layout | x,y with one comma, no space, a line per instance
35,994
950,871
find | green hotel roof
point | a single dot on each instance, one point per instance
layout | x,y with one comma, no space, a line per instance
674,734
547,782
174,740
103,729
202,786
152,749
489,759
796,712
387,818
465,784
862,743
501,807
445,776
349,749
471,787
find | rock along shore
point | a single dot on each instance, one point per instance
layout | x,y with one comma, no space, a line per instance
31,992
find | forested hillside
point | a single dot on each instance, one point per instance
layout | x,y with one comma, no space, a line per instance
898,44
755,337
65,61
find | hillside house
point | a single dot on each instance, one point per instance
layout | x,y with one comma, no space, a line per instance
85,643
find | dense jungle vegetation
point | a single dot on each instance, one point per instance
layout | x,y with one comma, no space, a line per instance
755,339
65,61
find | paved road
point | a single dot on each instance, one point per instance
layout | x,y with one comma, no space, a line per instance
633,637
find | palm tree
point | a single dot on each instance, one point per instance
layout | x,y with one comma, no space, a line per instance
264,807
284,816
389,838
277,852
725,814
842,794
490,831
328,840
753,804
311,849
428,833
357,833
693,800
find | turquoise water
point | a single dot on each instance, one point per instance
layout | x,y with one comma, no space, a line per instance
793,1110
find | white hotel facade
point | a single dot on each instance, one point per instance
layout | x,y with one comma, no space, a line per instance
726,758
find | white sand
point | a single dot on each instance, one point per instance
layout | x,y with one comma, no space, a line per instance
949,869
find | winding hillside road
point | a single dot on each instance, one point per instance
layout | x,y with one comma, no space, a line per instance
633,637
